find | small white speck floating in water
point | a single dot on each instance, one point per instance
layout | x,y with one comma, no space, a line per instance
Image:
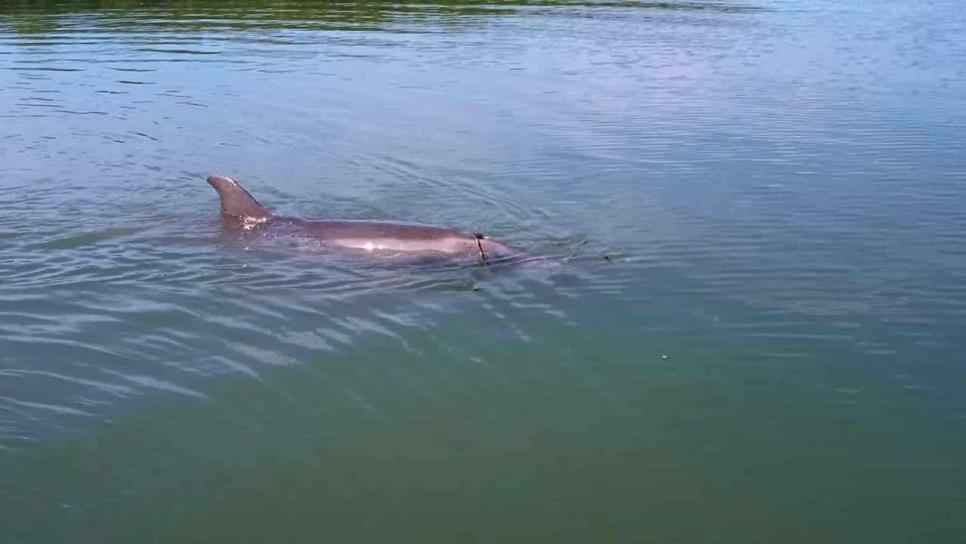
663,356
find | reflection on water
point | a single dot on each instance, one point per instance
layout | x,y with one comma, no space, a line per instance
771,346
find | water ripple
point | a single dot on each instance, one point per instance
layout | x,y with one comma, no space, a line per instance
708,189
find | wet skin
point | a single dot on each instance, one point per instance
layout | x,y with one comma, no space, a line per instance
240,210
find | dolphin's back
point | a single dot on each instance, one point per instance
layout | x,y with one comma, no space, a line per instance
390,236
239,208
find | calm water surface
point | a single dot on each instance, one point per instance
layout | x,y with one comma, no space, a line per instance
772,352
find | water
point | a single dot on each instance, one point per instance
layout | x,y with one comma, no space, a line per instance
770,352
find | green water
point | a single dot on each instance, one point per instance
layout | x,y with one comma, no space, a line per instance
771,350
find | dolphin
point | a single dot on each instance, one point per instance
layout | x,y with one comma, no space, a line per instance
240,210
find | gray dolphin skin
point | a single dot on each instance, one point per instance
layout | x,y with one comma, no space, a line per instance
239,209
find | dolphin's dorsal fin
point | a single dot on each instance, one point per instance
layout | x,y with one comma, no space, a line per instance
237,203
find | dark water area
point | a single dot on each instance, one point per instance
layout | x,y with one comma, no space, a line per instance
771,351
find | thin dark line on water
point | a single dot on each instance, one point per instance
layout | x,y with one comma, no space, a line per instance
44,69
71,112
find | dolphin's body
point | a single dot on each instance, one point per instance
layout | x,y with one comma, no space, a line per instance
239,209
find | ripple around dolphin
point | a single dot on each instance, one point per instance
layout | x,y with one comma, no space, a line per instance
65,295
89,238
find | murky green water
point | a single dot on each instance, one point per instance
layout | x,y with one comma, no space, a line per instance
773,352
